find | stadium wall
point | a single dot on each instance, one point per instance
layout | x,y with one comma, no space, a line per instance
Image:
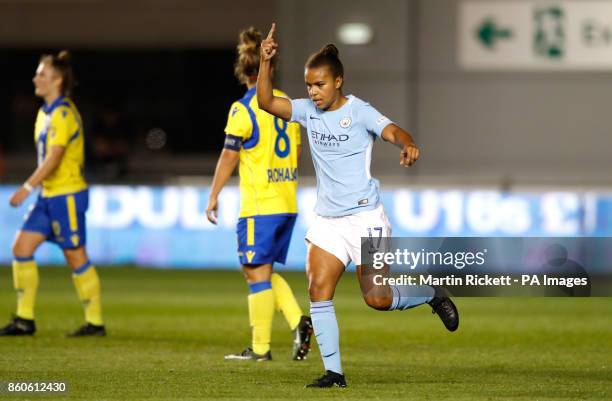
493,126
126,24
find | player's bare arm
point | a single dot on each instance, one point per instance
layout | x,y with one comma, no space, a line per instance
410,152
225,167
278,106
49,165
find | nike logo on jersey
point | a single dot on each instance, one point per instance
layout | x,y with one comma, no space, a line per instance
314,118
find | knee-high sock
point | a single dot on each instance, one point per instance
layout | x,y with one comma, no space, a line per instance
326,330
87,285
285,301
25,281
406,296
261,313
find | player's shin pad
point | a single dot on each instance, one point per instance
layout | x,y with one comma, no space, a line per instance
87,285
285,301
25,281
261,313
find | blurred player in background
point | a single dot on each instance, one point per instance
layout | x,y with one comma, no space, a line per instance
341,132
59,212
267,150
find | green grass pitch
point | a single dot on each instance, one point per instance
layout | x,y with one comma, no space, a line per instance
169,329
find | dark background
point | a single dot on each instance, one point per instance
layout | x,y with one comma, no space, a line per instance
184,92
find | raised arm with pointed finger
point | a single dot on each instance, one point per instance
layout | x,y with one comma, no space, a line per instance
278,106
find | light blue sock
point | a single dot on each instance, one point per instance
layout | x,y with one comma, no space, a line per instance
326,330
408,296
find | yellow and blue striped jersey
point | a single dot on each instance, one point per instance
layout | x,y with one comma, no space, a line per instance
268,157
59,124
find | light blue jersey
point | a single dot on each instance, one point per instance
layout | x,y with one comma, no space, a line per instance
341,146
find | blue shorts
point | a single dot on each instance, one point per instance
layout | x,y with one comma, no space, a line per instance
61,219
264,239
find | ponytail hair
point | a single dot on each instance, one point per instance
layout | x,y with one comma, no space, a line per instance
327,56
248,48
61,63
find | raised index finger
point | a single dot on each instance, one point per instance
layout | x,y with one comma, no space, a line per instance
272,30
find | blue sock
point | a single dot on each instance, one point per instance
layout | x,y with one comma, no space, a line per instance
326,330
408,296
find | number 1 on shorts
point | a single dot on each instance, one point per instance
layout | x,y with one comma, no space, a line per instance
380,231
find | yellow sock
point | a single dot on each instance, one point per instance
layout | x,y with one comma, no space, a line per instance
285,301
87,285
261,313
25,281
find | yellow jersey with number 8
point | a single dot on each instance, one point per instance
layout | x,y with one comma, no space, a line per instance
268,149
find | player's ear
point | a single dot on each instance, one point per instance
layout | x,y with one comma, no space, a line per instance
339,82
57,79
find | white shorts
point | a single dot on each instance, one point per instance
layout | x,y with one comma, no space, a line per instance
341,236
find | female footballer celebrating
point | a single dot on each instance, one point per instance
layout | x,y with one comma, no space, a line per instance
267,150
341,132
59,212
